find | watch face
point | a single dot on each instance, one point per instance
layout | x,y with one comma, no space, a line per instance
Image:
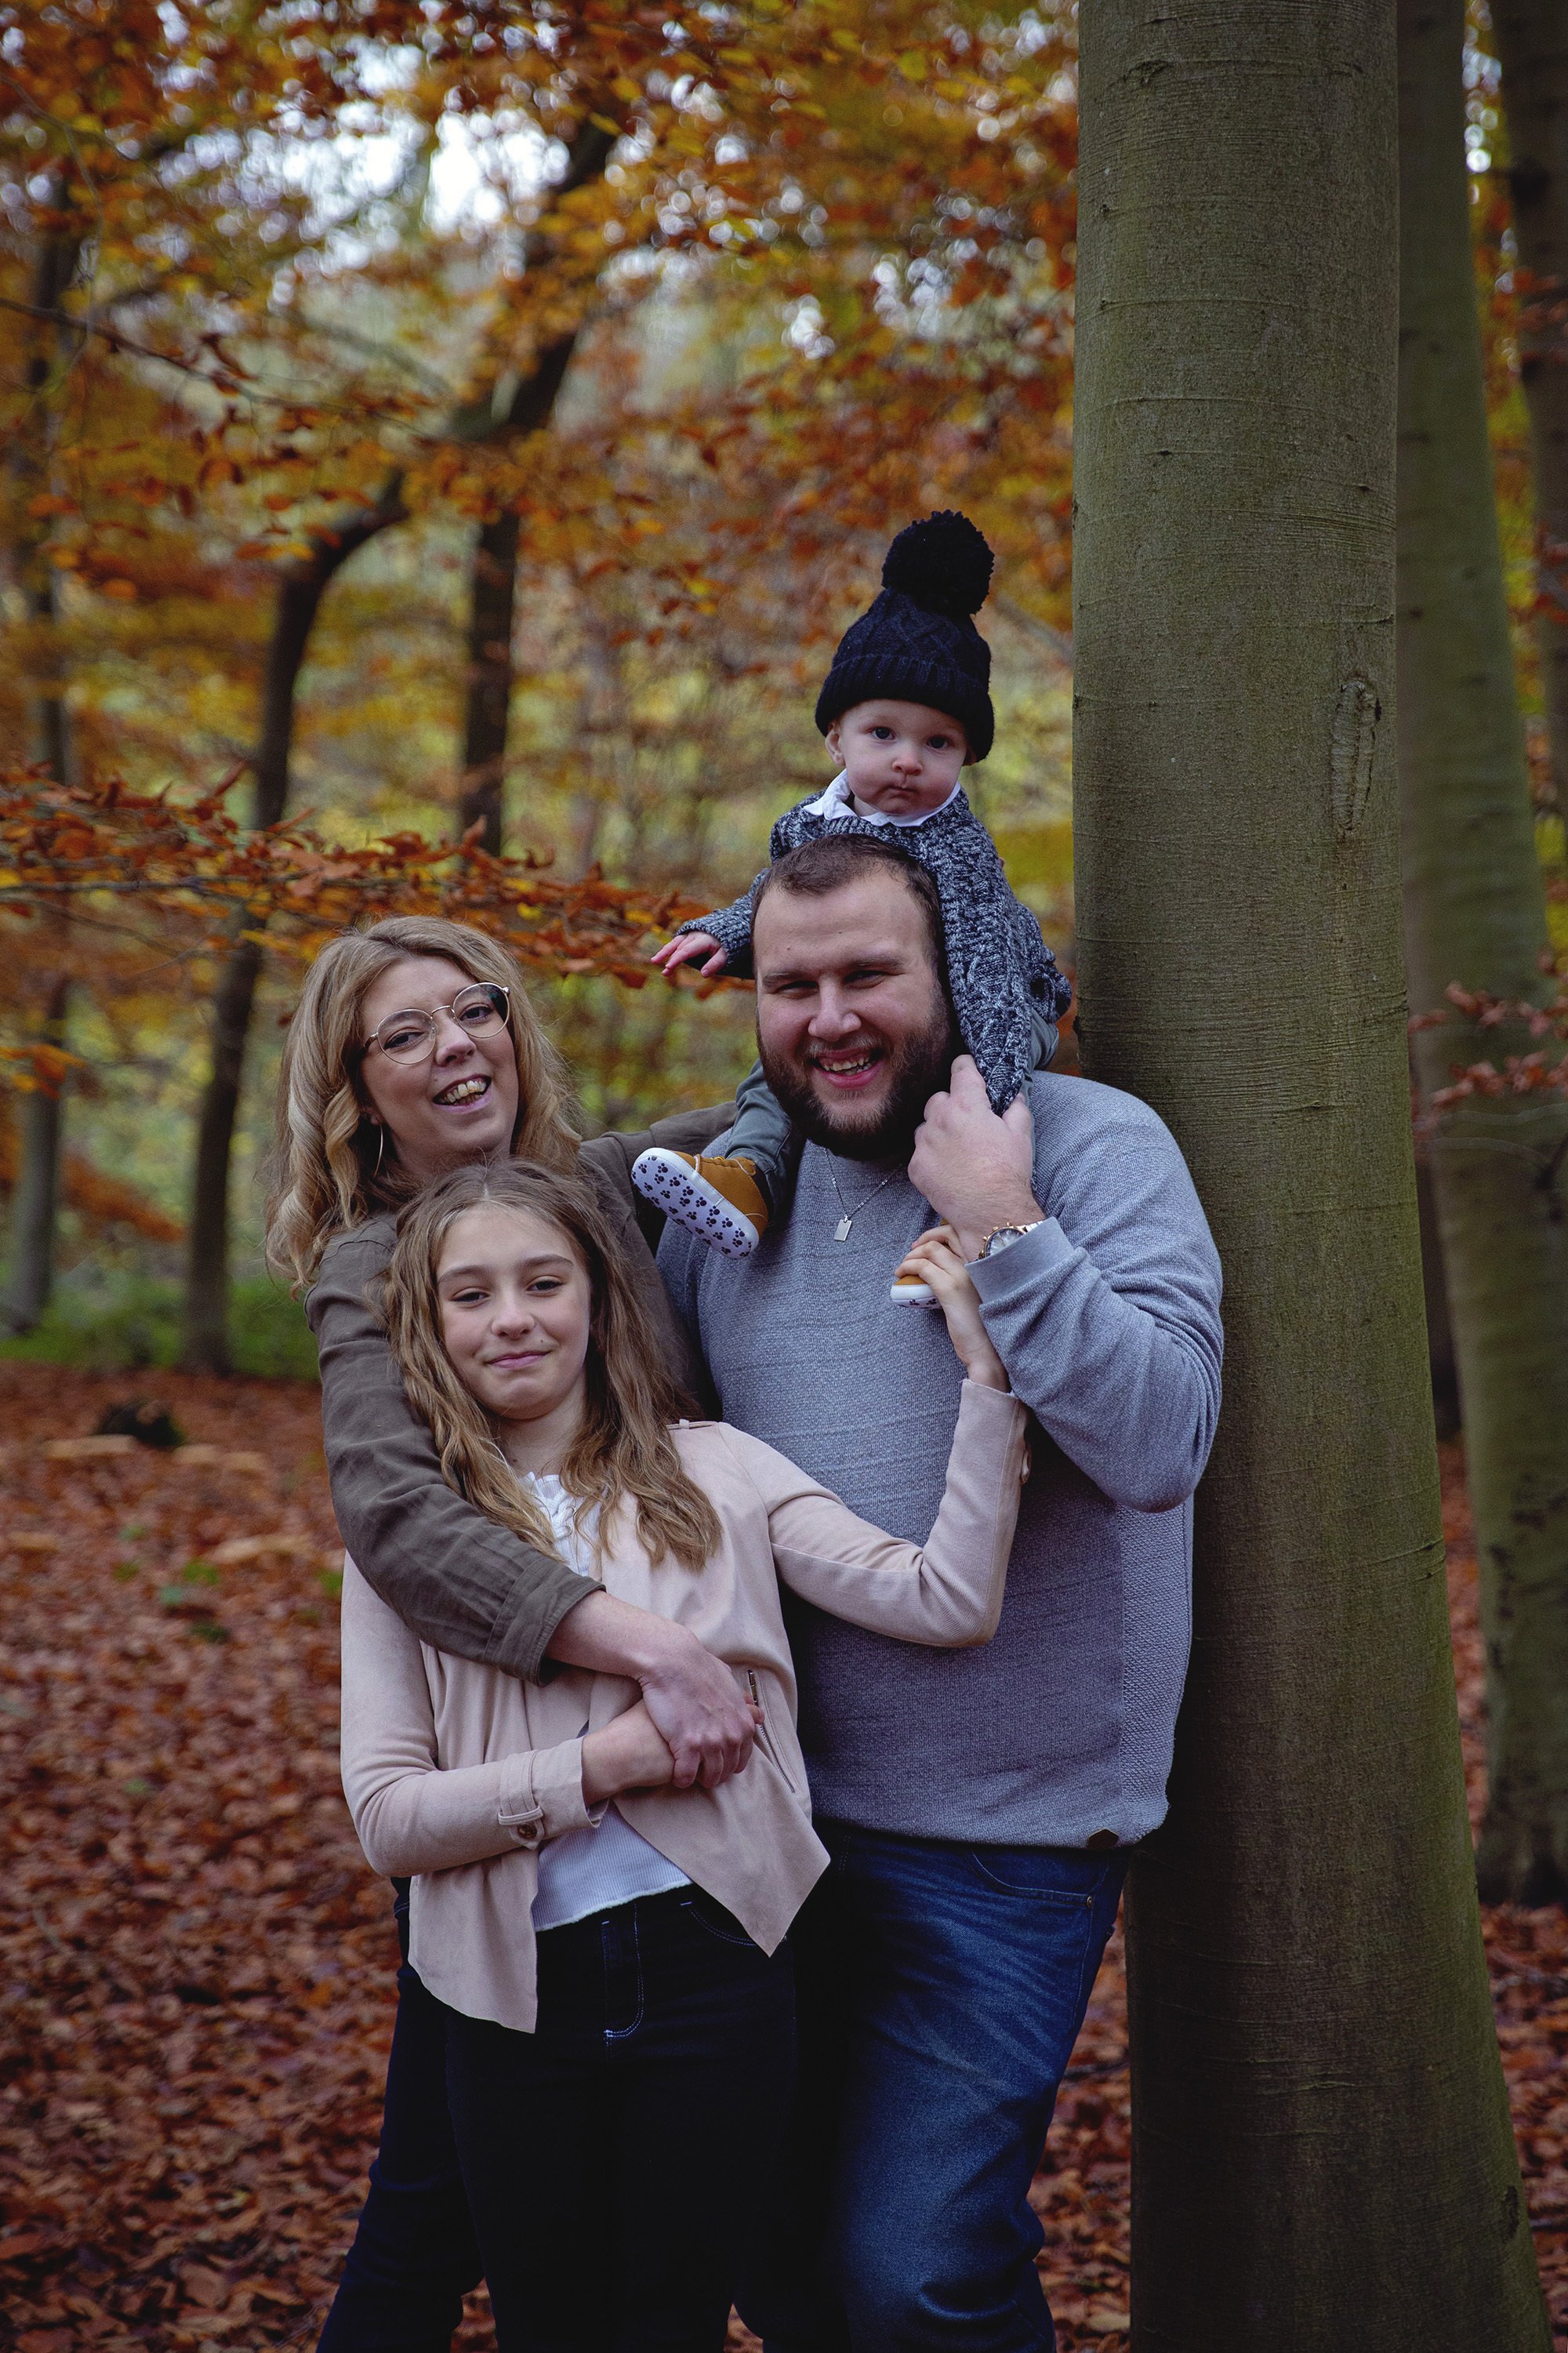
1006,1236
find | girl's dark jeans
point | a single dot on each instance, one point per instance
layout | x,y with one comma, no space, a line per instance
616,2157
415,2255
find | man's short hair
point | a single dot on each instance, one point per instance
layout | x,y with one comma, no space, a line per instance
838,860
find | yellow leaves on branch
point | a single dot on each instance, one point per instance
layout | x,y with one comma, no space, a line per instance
114,854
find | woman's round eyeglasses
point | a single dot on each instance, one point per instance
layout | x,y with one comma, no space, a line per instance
479,1012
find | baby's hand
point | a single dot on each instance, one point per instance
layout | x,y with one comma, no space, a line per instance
690,945
937,1260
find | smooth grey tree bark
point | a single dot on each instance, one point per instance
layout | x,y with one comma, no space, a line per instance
1322,2156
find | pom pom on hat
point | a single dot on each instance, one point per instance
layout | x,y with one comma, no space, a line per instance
942,563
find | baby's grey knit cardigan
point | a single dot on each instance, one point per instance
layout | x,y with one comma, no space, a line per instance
1000,975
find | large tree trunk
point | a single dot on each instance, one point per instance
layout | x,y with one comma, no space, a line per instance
300,590
514,410
1475,914
1532,45
1322,2156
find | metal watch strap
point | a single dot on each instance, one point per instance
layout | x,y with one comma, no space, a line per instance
1001,1237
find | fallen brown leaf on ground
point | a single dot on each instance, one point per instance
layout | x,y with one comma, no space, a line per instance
196,1966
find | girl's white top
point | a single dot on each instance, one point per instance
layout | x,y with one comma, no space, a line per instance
590,1870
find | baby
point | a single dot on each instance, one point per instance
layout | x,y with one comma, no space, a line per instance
905,707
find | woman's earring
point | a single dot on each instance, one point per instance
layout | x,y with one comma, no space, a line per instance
379,1148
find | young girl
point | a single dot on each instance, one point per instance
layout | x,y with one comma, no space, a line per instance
609,1949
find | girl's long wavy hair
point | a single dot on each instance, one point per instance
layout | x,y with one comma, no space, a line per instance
623,1454
332,1168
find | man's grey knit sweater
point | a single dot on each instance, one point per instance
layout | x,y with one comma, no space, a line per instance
1107,1318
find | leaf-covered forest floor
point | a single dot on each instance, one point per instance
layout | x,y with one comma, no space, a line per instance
195,1965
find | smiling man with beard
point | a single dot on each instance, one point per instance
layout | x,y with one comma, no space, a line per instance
854,1027
979,1806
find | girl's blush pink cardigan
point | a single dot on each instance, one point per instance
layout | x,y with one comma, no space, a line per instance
456,1773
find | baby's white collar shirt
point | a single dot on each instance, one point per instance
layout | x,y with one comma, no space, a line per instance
838,797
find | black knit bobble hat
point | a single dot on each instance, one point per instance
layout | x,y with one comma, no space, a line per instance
917,643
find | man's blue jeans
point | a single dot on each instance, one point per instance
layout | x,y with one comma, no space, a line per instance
940,1989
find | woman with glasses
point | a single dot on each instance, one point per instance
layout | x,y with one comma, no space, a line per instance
413,1050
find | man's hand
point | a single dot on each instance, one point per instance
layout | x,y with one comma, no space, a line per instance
687,948
977,1171
691,1696
697,1704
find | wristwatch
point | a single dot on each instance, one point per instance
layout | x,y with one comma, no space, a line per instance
1003,1238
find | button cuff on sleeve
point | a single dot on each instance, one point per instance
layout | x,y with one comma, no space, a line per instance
541,1795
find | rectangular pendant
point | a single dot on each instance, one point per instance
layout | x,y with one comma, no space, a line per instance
841,1231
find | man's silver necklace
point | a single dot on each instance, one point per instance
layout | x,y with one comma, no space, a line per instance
848,1217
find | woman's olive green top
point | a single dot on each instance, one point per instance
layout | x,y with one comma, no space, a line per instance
461,1582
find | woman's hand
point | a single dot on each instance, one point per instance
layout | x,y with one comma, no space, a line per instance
629,1753
687,948
692,1697
936,1259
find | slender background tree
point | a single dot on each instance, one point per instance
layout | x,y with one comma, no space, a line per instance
1532,45
1322,2156
40,1115
1476,920
301,585
514,403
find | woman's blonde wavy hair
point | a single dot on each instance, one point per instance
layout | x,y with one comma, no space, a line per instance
332,1168
623,1453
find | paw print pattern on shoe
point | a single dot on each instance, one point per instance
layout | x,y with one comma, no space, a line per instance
696,1193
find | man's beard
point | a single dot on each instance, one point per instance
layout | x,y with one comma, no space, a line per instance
917,1068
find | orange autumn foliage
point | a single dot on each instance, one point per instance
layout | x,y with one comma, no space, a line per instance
121,860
